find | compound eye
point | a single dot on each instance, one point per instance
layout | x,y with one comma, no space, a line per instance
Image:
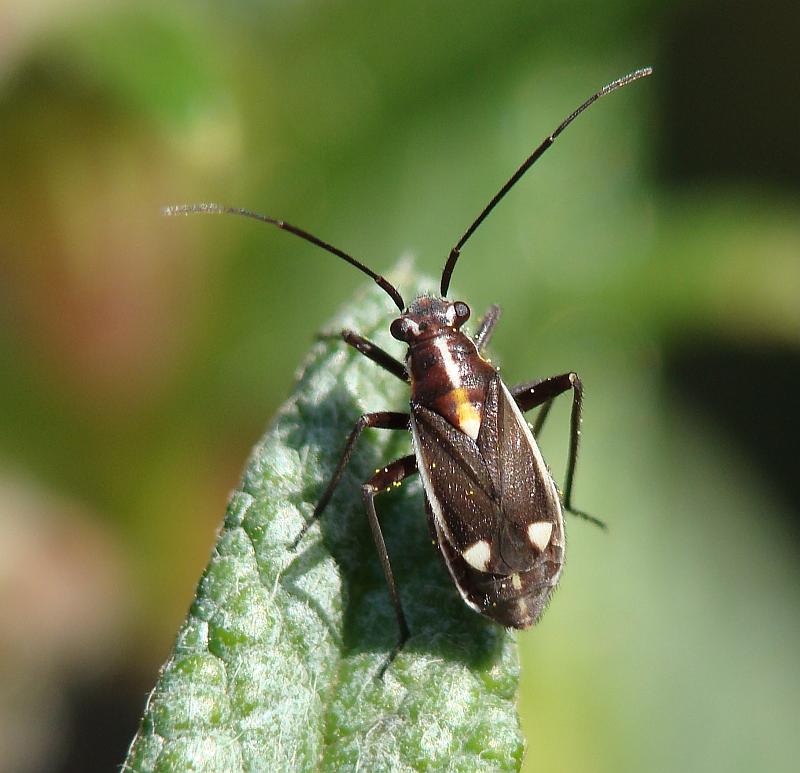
462,312
400,329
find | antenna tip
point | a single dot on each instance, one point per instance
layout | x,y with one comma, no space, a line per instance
187,209
642,72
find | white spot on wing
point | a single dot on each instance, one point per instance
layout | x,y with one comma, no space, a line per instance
539,534
478,555
516,583
470,425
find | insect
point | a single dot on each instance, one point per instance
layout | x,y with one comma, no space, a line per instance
493,507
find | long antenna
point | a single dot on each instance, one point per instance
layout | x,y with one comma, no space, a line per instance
447,273
219,209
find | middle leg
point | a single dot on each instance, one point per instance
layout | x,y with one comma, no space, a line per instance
383,480
379,420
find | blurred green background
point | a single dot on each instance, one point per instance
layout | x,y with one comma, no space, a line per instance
655,249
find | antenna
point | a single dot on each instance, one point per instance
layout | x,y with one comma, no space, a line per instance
219,209
447,273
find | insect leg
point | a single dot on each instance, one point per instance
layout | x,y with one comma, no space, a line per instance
486,328
376,354
379,420
541,417
543,392
383,480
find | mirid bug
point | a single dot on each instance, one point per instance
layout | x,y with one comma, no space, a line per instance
493,508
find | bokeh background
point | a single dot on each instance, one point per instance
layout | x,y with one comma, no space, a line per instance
655,249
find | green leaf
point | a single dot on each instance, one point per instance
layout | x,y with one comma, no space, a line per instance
276,665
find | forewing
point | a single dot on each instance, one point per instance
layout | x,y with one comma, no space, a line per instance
494,500
526,494
457,483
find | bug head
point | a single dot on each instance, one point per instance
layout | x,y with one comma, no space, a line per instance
427,317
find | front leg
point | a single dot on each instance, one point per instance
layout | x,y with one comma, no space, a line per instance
379,420
485,329
543,393
376,354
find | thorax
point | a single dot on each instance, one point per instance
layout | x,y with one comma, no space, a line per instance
449,376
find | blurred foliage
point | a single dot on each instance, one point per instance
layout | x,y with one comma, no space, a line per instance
140,358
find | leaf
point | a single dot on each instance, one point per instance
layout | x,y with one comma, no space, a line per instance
276,665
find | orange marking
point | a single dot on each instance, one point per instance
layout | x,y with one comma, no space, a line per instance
468,417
